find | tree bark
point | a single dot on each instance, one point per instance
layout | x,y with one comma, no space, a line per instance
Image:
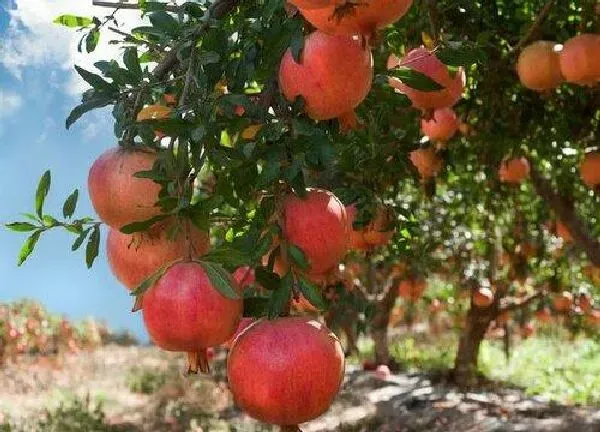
380,323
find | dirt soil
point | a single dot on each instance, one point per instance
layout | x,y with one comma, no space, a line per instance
401,403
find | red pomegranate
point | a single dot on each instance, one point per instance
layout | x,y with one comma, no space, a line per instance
184,312
412,289
483,297
563,232
563,302
118,197
328,93
527,330
442,127
244,276
381,229
590,169
286,371
134,258
544,315
244,324
586,303
425,62
435,306
514,171
539,66
579,59
427,162
318,225
359,18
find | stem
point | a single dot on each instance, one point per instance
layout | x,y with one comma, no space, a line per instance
189,76
434,18
535,26
522,304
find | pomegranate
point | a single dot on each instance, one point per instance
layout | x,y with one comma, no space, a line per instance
356,18
327,93
286,371
118,197
425,62
244,276
514,171
586,303
527,330
502,319
318,225
563,232
244,324
134,258
590,169
427,162
184,312
579,60
483,297
378,233
539,66
412,289
593,317
442,127
544,315
563,302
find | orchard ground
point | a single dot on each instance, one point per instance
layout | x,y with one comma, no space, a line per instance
548,385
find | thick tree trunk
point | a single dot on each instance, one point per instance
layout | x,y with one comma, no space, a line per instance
380,323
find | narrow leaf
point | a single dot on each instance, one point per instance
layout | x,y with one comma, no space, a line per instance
228,256
88,105
70,204
91,40
281,296
93,246
416,80
42,192
311,292
20,226
73,21
267,279
221,279
79,241
298,257
132,62
96,81
28,247
142,225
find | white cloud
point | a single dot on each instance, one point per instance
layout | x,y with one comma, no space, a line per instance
10,102
32,40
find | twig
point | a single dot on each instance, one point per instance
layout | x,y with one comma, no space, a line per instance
522,304
567,216
434,19
130,6
535,26
189,76
137,106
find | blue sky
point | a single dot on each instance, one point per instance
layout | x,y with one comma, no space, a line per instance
37,90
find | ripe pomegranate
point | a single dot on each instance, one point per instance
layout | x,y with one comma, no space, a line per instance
378,233
244,276
563,232
544,315
590,169
134,258
357,18
425,62
442,127
427,162
412,289
539,66
579,60
118,197
184,312
514,171
286,371
563,302
318,225
327,93
527,330
435,306
586,303
502,319
244,324
483,297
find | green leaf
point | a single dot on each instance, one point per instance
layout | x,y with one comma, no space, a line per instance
415,80
28,247
270,173
93,247
73,21
132,62
42,192
70,204
151,280
281,296
85,107
49,221
460,54
96,81
79,240
227,256
21,226
221,279
298,257
267,279
311,292
256,306
142,225
164,22
91,40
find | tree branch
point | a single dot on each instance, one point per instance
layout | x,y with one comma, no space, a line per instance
567,216
130,6
434,19
535,26
522,304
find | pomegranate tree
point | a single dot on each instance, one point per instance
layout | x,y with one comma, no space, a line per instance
285,371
